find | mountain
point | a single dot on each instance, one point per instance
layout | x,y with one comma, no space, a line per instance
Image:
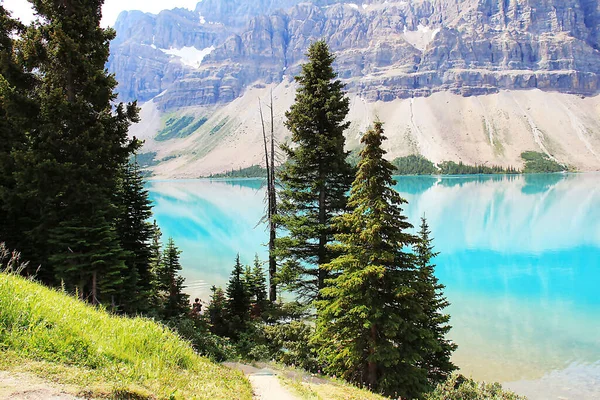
472,80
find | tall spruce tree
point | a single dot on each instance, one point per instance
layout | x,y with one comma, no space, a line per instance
69,172
316,177
368,329
135,233
437,359
155,263
217,313
238,300
256,282
174,302
18,115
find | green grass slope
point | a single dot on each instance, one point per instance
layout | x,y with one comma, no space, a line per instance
60,338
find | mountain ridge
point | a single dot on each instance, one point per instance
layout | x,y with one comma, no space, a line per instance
387,52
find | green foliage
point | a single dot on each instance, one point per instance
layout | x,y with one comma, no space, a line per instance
89,260
217,313
430,294
254,171
198,332
256,285
238,302
452,168
135,233
18,115
372,326
180,127
67,171
457,387
146,160
288,311
414,164
290,343
354,157
126,355
537,163
218,126
173,302
194,126
316,177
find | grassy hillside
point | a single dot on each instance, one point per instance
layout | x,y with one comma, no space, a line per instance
56,336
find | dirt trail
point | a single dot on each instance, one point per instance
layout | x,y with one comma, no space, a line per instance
265,384
20,386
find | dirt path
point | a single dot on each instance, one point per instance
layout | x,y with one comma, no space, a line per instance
19,386
265,384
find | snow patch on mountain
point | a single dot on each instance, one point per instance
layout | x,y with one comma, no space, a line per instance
190,56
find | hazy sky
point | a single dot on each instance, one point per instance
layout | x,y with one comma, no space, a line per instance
22,8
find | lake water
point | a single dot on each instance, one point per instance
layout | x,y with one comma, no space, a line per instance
520,258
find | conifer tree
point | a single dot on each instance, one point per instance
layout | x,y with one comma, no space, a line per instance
175,303
316,177
238,300
217,313
69,171
368,328
135,234
93,266
256,283
437,359
155,262
18,115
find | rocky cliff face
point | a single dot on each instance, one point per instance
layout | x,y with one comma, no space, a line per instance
386,50
477,81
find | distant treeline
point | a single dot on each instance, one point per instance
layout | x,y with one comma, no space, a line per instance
254,171
452,168
537,163
414,164
418,165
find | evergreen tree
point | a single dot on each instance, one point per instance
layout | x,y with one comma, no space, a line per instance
439,350
217,313
316,177
238,300
135,234
93,266
174,302
368,328
18,114
256,282
155,262
69,171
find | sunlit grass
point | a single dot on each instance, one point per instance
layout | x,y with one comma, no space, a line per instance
52,334
327,391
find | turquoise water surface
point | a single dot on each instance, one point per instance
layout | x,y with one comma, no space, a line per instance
520,258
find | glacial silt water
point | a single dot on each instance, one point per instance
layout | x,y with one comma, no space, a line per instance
520,258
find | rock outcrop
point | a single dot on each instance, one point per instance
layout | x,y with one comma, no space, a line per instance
385,50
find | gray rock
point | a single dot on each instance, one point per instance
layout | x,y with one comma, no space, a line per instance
385,49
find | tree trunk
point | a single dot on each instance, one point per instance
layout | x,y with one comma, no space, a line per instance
272,212
94,288
322,274
269,162
371,365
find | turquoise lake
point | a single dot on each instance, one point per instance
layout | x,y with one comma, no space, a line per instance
520,258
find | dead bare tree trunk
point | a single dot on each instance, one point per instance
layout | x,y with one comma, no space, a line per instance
272,212
271,200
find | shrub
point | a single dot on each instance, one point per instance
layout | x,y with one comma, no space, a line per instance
457,387
290,344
